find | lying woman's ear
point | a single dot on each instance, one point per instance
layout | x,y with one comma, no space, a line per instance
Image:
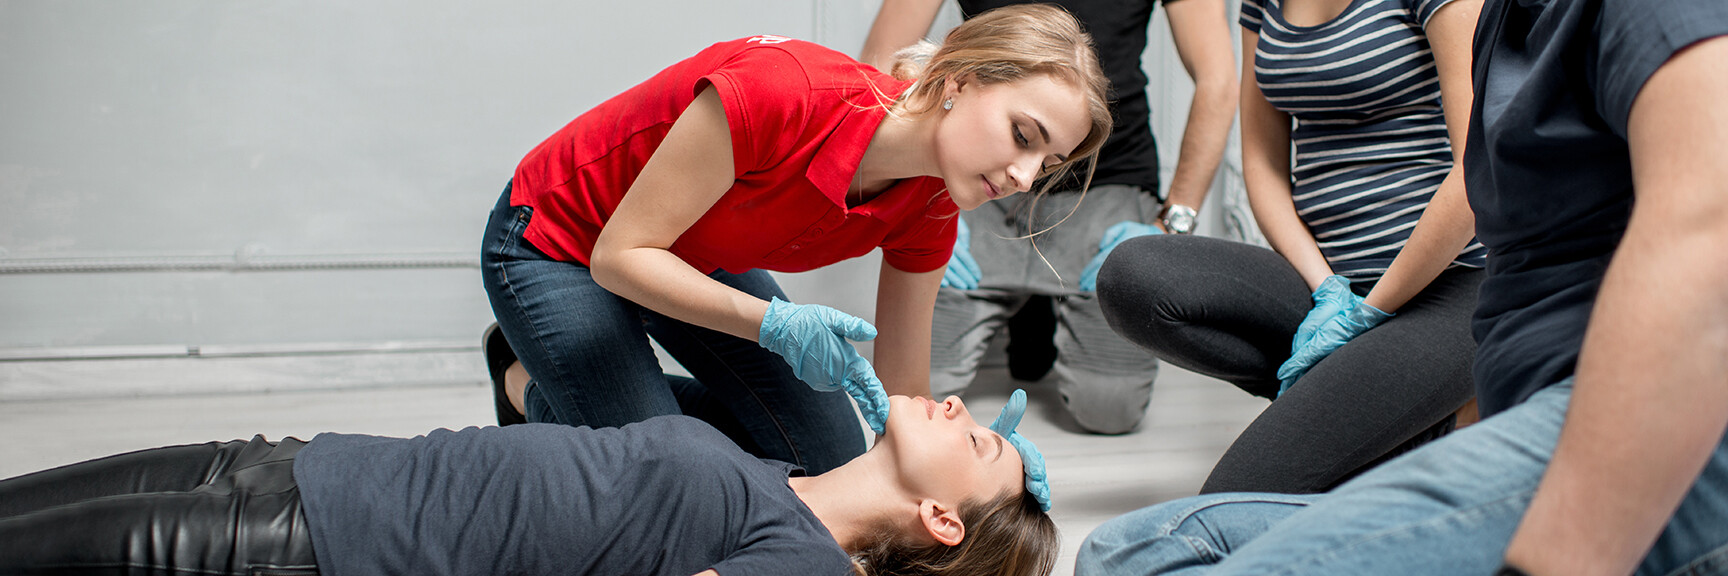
941,522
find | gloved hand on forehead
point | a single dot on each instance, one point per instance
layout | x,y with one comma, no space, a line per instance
814,341
1032,461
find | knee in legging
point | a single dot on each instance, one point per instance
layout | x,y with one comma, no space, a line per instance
1137,281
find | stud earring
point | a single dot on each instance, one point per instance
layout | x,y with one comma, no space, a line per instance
948,104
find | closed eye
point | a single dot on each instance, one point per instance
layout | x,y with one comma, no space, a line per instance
1020,137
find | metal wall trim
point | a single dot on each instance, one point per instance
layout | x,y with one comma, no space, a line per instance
239,262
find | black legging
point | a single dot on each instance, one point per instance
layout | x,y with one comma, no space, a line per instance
1229,310
207,509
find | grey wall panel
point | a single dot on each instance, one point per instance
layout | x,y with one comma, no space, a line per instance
351,131
320,129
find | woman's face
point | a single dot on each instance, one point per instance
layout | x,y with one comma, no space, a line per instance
944,454
999,138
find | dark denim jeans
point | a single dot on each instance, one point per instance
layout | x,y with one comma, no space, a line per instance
587,350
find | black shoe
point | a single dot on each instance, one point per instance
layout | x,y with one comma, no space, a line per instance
499,357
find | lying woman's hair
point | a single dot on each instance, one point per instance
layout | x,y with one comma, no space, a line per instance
1008,44
1008,536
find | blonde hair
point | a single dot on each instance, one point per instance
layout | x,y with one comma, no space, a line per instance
1007,44
1009,535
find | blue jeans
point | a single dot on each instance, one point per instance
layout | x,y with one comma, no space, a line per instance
588,353
1447,508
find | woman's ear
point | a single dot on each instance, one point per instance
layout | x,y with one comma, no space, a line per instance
952,86
941,522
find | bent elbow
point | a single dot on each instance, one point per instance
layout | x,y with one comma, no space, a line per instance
604,265
1221,87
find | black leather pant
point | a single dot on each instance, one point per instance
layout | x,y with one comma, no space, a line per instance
207,509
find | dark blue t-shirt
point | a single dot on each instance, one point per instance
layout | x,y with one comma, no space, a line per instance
666,496
1549,172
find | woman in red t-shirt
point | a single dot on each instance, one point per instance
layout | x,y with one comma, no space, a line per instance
659,212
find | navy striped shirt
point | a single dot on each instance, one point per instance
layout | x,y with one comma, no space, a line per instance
1370,136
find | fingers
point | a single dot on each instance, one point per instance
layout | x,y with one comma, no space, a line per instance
843,324
1285,384
962,272
856,329
1293,368
1089,276
866,389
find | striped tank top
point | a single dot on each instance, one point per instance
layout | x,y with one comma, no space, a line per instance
1370,136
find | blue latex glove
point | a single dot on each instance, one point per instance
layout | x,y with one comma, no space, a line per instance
813,340
1031,460
1327,338
1332,298
963,272
1113,235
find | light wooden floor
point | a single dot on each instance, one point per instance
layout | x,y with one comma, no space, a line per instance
1093,478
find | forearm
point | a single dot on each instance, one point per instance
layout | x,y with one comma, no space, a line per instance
1275,212
1650,404
660,281
1266,174
1201,33
905,305
1650,399
689,172
1203,141
899,23
1447,225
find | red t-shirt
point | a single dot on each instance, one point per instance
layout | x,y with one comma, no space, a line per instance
800,116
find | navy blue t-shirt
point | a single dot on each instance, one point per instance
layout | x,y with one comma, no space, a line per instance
669,495
1549,172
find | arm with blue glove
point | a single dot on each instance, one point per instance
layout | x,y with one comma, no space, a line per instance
963,272
1338,316
1114,235
815,341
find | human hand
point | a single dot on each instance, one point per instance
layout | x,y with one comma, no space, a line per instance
872,400
1333,334
1031,460
1332,298
963,272
814,341
1113,235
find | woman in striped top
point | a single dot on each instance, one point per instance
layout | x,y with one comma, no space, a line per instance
1359,323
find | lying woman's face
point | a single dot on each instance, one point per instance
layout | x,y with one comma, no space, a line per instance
943,453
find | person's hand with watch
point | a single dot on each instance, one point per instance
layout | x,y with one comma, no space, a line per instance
1178,219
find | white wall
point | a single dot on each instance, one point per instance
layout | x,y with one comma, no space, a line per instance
315,175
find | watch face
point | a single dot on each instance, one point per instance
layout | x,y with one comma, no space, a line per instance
1179,221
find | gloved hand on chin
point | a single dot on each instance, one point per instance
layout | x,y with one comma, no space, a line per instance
814,341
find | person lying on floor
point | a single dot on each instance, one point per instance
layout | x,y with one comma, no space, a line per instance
937,494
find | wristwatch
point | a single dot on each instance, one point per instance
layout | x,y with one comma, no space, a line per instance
1179,219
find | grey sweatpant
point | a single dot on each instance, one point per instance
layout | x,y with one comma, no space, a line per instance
1105,380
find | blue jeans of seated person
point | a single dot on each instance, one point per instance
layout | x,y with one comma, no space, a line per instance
1447,508
588,353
